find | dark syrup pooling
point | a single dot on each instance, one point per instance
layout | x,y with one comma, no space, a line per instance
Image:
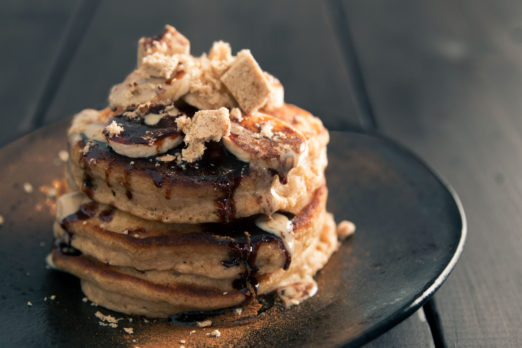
191,318
135,131
106,215
243,247
87,184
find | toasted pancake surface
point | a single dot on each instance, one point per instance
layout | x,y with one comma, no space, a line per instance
217,188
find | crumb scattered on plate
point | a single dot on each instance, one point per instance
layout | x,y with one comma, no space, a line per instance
204,323
28,188
214,333
345,229
63,155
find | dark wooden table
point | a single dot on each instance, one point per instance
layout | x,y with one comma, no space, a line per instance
442,77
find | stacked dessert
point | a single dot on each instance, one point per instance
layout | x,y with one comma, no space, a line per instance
196,189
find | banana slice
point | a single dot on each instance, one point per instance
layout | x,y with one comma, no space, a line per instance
266,142
133,135
140,87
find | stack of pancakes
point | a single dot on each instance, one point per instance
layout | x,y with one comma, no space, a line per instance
180,200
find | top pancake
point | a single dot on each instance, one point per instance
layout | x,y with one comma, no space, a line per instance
217,188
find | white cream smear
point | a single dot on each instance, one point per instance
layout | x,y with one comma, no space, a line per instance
280,226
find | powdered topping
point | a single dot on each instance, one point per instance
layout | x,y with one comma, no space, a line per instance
69,203
206,125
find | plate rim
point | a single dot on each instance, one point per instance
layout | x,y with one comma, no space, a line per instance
407,310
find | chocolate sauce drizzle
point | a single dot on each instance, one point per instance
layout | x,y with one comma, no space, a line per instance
66,248
217,167
135,131
241,236
243,249
85,212
106,215
87,184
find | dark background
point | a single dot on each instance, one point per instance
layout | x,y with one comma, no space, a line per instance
442,77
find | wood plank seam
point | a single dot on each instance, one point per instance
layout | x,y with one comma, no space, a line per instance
369,122
73,35
358,85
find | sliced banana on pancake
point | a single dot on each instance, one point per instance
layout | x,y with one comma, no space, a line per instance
133,135
266,142
139,88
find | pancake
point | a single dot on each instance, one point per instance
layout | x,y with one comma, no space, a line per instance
164,293
214,250
217,188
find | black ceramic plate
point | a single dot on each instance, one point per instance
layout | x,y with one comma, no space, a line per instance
410,232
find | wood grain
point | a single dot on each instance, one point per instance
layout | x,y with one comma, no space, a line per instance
444,78
30,37
412,332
